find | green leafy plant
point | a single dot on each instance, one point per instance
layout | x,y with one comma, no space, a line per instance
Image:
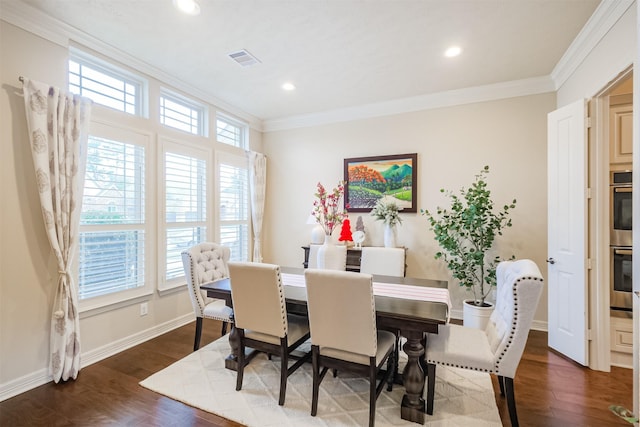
466,231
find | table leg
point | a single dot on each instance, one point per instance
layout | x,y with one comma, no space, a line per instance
413,404
231,362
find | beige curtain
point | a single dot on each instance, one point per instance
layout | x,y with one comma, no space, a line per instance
58,132
257,187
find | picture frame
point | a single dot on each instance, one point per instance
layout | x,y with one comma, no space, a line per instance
368,179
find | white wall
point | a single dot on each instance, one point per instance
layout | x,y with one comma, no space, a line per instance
453,144
28,271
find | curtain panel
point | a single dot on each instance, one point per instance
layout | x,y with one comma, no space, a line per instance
257,187
58,125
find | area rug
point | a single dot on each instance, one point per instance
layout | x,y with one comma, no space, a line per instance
462,398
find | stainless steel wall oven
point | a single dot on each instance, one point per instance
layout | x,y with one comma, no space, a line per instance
621,241
621,215
621,283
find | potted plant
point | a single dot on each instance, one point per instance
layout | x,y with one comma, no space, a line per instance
388,213
466,232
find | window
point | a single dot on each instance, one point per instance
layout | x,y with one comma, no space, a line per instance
112,221
181,113
231,132
233,193
105,84
185,200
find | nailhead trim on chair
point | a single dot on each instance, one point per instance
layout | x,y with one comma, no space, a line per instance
283,308
496,369
210,255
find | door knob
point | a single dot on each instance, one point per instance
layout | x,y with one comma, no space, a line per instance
551,261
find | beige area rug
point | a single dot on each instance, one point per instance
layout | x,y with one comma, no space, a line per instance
463,398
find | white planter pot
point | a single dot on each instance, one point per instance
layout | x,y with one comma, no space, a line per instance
474,316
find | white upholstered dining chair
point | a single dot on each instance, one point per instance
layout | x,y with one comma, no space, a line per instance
497,349
261,319
204,263
382,261
342,318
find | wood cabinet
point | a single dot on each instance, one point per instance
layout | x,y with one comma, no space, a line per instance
621,342
620,134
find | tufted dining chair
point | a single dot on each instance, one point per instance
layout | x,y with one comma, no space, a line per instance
204,263
497,349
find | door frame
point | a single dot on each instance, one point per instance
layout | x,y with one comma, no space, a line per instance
598,226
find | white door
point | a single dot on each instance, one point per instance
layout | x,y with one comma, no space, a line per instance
567,231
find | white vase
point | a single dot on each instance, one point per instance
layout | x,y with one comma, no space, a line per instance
330,257
389,236
475,316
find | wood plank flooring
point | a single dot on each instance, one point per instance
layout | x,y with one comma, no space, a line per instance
550,390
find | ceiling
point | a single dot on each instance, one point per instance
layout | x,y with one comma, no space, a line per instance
338,53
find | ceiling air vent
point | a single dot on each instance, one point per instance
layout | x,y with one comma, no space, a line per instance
244,58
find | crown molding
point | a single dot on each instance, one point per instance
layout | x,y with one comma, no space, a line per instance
34,21
510,89
599,24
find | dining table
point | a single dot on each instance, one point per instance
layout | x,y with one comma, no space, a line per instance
411,306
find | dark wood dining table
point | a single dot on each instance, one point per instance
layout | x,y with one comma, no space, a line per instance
411,317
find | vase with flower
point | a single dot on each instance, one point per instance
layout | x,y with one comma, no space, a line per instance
388,213
329,213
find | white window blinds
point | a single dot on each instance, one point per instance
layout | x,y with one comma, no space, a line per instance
233,187
112,232
185,208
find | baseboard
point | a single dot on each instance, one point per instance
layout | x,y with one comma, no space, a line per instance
536,325
42,376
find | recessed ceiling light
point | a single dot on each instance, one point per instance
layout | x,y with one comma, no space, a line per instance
190,7
288,86
453,51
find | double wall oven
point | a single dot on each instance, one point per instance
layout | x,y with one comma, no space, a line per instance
621,243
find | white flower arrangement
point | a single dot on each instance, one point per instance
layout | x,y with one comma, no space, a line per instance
387,212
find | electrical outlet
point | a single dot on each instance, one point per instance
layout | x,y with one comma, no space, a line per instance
144,309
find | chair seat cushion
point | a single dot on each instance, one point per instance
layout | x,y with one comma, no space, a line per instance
217,309
386,341
462,347
298,327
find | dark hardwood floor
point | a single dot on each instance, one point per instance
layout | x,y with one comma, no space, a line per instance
550,390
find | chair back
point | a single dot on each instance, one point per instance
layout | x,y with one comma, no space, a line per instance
383,261
258,298
342,313
519,286
203,263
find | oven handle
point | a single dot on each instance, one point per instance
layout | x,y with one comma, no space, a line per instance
622,189
623,252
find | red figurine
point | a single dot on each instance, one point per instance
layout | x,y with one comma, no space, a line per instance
345,232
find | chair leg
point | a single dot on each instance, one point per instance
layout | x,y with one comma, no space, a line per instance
224,328
241,361
511,401
372,391
196,342
315,364
396,358
392,363
501,384
431,386
284,364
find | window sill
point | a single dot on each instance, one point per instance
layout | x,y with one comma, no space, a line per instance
93,308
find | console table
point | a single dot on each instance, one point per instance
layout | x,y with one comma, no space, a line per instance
353,258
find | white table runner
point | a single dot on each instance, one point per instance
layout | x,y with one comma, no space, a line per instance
395,290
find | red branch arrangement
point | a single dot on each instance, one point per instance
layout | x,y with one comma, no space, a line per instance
327,210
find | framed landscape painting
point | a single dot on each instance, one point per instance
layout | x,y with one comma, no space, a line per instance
392,178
